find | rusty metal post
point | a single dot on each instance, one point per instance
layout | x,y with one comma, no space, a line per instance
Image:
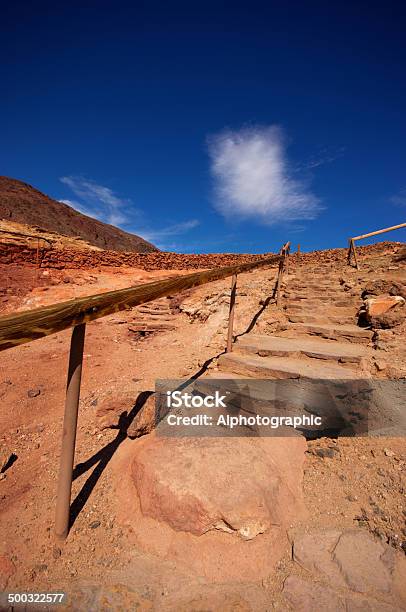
231,314
69,432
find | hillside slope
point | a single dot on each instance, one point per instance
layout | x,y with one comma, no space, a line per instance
24,204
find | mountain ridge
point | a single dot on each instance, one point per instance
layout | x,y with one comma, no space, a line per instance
23,203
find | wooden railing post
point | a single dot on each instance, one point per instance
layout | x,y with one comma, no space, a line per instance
351,251
231,314
282,265
69,432
351,241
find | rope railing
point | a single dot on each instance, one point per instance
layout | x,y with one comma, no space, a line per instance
23,327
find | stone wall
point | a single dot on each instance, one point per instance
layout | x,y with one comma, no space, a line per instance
69,258
66,258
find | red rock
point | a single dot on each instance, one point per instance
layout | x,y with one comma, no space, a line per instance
197,485
111,409
144,421
379,305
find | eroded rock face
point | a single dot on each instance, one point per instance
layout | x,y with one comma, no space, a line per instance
245,486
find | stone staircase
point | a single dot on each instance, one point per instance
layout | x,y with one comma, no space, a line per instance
321,339
152,317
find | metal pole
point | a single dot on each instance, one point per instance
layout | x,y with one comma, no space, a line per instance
69,432
231,314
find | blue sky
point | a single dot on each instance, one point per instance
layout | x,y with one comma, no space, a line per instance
210,127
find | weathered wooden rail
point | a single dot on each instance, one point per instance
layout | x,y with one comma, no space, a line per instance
351,241
16,329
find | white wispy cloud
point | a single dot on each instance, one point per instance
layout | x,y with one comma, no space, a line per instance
253,178
326,155
101,201
80,208
171,230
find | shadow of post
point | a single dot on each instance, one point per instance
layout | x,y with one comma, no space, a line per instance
102,457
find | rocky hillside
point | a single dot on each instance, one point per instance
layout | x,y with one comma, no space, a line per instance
22,203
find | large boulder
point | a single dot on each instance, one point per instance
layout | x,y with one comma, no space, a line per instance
239,485
219,507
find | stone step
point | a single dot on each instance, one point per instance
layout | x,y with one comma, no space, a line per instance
353,333
297,317
319,308
280,368
300,297
155,306
314,303
277,346
318,287
154,313
144,326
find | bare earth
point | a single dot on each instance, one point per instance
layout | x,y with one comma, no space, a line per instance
114,558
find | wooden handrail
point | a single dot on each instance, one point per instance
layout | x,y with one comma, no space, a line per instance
16,329
351,241
381,231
